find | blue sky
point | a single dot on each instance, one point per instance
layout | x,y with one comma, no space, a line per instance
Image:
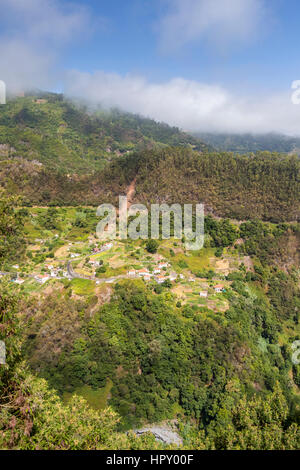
129,41
219,65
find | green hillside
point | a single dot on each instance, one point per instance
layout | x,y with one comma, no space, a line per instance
50,130
264,185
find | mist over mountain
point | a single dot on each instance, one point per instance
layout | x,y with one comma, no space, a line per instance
244,143
70,137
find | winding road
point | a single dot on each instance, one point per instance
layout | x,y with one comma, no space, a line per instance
108,280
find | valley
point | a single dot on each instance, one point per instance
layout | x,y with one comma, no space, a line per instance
133,335
149,230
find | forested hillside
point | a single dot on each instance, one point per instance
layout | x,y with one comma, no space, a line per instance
55,133
265,185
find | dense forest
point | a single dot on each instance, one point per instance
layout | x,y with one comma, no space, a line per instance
266,185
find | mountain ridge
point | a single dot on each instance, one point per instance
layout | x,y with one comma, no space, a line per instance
69,138
244,143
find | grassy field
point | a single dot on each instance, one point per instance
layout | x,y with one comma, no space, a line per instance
82,286
97,399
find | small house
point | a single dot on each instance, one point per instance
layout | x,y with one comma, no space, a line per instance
107,246
219,289
42,278
143,272
162,265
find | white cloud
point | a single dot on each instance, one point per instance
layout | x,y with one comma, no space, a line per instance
221,22
34,33
23,67
188,104
44,19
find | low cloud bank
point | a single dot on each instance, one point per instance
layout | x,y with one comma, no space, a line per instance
188,104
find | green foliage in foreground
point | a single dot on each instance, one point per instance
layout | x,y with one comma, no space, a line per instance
258,424
12,244
33,417
161,360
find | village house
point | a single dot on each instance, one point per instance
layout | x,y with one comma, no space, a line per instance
147,277
42,278
143,272
173,277
219,289
131,273
203,294
94,263
107,246
156,271
163,265
52,271
40,101
160,279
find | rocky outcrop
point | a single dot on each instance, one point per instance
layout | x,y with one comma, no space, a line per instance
163,434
